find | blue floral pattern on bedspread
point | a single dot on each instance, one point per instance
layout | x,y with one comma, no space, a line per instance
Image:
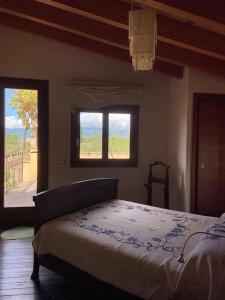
167,242
217,228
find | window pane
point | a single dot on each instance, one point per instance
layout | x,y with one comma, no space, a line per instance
90,135
119,136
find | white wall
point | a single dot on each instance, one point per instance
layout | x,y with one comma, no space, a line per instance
28,56
177,140
180,131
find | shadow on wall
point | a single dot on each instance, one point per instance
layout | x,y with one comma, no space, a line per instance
177,192
181,193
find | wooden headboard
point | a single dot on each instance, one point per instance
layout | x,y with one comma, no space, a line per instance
64,200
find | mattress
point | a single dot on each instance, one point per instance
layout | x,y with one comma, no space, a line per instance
132,246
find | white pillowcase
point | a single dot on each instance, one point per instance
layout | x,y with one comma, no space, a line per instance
203,275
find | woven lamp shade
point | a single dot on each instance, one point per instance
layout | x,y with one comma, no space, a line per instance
142,38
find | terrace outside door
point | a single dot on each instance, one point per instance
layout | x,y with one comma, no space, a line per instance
23,147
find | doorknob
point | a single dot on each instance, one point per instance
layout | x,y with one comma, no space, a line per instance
202,165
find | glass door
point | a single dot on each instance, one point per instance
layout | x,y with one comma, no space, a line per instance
24,144
21,147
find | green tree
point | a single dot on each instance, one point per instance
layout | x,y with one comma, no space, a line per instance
25,104
12,143
92,143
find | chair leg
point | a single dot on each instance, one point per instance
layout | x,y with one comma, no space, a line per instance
35,273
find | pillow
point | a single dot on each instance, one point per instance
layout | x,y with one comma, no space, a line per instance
203,273
217,228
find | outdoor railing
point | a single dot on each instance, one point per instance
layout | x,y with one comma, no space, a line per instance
13,170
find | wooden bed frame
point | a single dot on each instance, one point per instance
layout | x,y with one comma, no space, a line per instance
54,203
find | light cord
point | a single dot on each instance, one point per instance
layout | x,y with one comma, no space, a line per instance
181,257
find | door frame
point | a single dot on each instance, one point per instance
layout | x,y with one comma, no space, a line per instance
25,215
197,98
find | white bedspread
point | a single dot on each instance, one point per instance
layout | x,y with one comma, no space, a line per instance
132,246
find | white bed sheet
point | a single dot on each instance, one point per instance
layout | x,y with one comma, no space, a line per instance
132,246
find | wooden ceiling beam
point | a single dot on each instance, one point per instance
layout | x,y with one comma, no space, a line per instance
76,24
59,35
208,14
191,59
168,68
57,19
114,12
181,34
65,24
213,10
190,37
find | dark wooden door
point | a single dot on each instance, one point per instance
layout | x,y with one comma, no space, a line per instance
210,158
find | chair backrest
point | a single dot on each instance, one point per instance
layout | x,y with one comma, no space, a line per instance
152,178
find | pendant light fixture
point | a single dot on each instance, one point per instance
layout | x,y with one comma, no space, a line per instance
142,38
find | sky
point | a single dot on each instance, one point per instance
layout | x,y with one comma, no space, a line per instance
90,120
94,120
12,120
119,123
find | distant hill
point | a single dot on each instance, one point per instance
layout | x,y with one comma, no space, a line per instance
17,131
89,131
92,124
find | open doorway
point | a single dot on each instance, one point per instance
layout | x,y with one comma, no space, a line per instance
24,145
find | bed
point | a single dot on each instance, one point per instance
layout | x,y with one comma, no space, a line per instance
127,250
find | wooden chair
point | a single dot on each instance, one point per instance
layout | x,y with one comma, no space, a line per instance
162,181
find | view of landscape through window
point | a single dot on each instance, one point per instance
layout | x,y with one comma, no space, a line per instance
91,133
119,136
20,167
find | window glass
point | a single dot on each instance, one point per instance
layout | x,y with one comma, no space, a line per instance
91,135
107,137
21,147
119,136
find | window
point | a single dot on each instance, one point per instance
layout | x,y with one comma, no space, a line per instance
105,137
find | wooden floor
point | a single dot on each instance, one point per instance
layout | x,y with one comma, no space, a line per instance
16,257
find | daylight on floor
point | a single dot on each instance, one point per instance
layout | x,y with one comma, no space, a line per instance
20,147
